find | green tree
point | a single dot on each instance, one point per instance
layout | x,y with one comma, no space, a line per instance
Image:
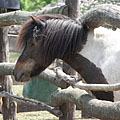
31,5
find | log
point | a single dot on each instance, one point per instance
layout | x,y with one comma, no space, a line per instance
100,109
19,17
50,75
84,101
95,87
102,15
31,102
6,68
58,77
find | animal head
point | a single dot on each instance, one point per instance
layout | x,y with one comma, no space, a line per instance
45,38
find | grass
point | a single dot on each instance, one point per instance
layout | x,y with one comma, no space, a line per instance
14,56
18,90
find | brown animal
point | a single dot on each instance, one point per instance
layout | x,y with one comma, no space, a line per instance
45,38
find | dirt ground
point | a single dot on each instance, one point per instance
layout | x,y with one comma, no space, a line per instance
43,115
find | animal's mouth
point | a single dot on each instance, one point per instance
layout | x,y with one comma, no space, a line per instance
23,70
27,70
22,78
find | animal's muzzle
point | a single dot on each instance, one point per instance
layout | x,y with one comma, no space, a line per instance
23,70
21,76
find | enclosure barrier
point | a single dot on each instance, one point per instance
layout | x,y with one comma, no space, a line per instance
28,101
73,96
58,76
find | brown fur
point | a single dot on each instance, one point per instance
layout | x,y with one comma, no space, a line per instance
47,37
60,38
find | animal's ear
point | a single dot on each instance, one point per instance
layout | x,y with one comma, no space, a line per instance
37,21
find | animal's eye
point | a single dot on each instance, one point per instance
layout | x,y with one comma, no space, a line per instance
31,44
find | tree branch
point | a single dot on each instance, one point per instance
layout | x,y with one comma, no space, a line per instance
102,15
19,17
59,77
97,108
96,87
49,75
104,110
6,68
31,102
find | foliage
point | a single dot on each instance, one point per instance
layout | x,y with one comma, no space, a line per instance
31,5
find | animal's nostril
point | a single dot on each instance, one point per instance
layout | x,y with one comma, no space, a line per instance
14,75
22,75
14,72
18,76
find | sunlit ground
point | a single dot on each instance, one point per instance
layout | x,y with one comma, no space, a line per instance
42,115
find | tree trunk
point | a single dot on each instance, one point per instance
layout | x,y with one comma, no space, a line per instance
68,109
72,8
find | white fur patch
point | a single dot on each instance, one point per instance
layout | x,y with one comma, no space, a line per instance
103,49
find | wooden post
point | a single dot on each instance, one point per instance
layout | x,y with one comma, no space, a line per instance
72,8
68,109
8,107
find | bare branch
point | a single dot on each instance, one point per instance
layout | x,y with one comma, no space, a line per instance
19,17
96,87
31,102
102,15
59,77
101,109
49,75
6,68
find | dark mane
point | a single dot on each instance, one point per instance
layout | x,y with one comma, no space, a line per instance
27,29
60,38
